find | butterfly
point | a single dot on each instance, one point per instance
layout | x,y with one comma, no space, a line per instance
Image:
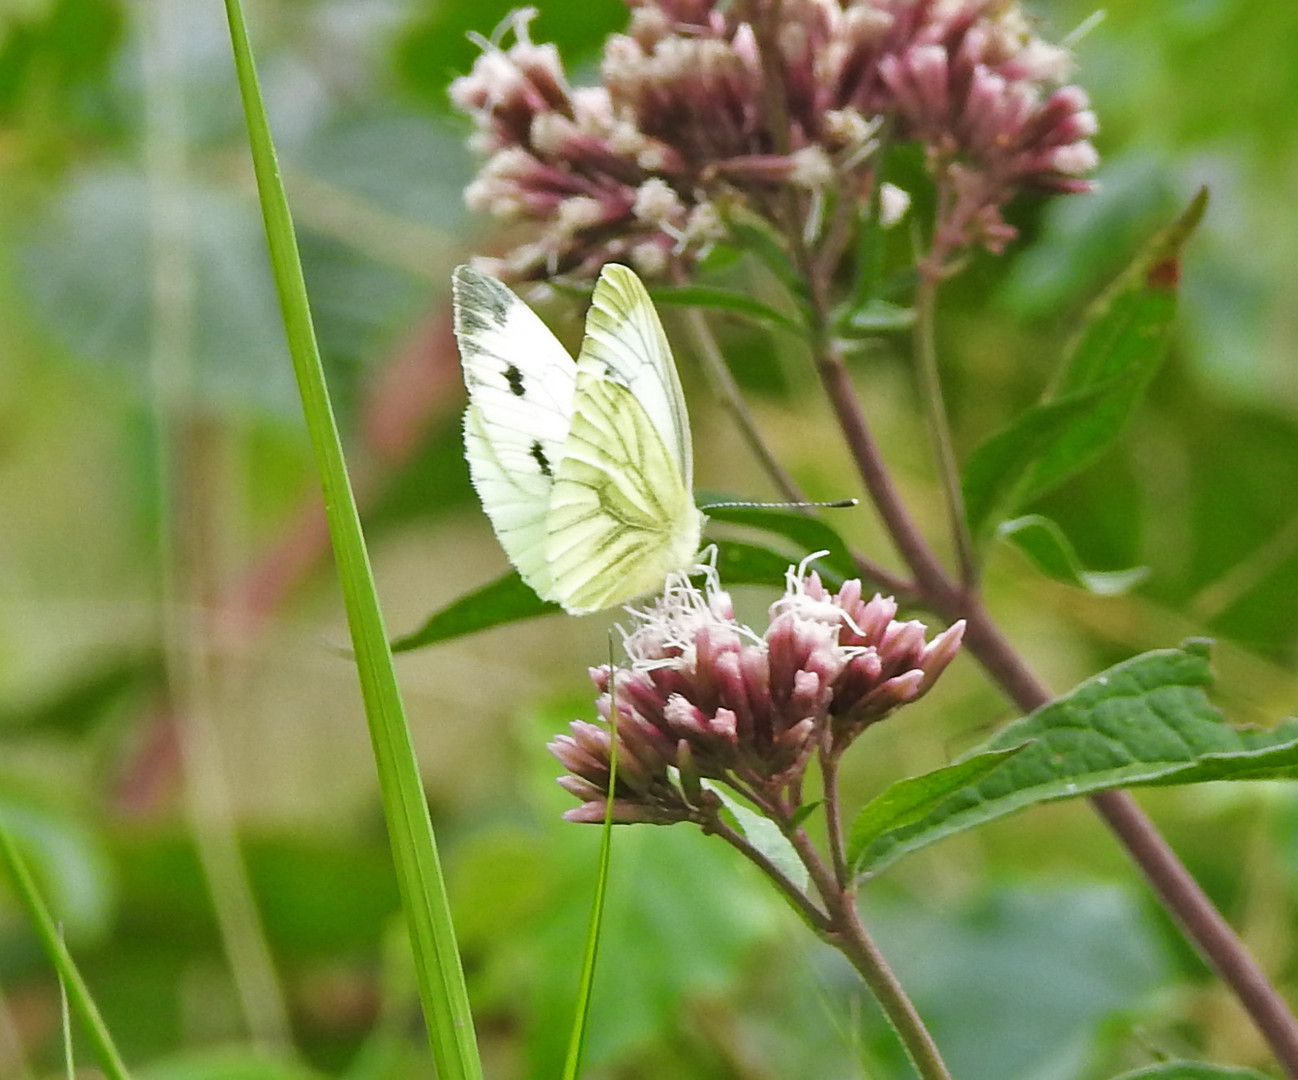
585,468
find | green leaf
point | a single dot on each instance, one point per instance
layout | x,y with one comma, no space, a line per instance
227,1065
1122,342
994,475
755,236
1144,722
507,599
1044,542
764,835
1191,1070
709,296
875,316
808,533
910,799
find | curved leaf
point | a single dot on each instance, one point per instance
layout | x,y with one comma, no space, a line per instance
808,533
1144,722
1121,344
507,599
709,296
1044,542
1191,1070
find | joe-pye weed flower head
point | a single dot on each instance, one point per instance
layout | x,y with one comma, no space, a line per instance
706,107
704,697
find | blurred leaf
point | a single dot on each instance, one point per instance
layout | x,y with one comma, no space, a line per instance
993,964
709,296
1081,241
753,235
739,563
77,999
434,50
227,1065
67,859
875,316
1044,542
809,533
89,270
78,706
1146,721
909,800
1121,344
1191,1070
53,53
994,475
764,835
684,914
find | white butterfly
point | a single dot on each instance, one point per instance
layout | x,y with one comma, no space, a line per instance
585,469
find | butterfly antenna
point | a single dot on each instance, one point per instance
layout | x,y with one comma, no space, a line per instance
836,504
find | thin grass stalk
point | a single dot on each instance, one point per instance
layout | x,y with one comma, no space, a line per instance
423,892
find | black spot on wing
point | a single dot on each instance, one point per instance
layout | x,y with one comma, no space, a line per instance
515,379
538,455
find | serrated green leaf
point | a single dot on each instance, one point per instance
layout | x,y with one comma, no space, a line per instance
507,599
709,296
1144,722
764,835
908,800
1121,345
1044,542
1191,1070
808,533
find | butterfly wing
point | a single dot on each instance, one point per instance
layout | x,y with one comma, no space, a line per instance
521,382
622,514
625,339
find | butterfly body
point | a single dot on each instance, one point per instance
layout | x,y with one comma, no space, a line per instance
584,467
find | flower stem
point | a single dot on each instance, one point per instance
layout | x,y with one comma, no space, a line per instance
939,426
816,919
856,944
1182,895
847,933
833,816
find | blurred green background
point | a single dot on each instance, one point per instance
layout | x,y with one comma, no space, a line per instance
182,751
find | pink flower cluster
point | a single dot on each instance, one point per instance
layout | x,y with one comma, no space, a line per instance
708,699
703,105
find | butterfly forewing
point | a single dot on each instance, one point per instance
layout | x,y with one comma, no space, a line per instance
521,382
625,342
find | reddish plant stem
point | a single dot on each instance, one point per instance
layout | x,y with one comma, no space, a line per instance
1181,894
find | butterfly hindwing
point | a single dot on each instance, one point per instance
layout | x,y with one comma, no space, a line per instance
622,512
520,381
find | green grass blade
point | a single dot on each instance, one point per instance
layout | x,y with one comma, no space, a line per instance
423,893
78,994
576,1044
